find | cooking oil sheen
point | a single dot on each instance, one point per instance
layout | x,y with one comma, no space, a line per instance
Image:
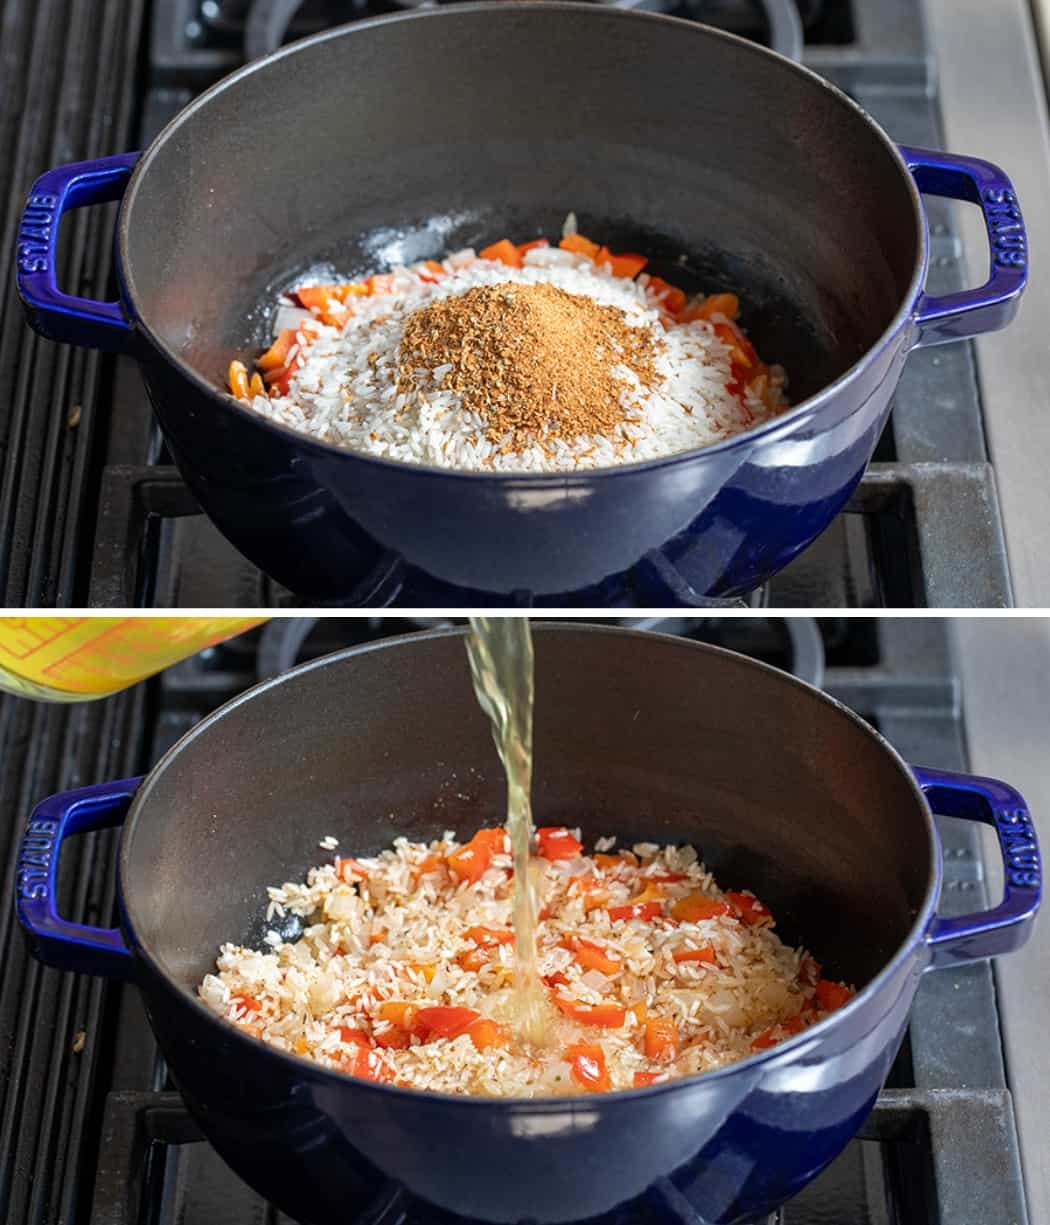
501,663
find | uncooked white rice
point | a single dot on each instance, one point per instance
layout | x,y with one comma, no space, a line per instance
346,393
393,929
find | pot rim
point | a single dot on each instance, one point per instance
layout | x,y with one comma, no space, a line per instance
299,1064
796,415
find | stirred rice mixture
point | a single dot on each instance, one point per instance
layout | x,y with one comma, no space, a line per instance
403,972
525,357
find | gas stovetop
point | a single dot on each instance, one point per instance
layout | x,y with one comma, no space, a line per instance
91,1132
92,512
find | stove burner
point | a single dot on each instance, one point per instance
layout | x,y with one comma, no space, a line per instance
268,21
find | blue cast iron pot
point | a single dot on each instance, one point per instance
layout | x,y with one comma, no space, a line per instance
781,789
730,166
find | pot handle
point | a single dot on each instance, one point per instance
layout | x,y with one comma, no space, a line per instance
1007,926
958,316
50,311
56,941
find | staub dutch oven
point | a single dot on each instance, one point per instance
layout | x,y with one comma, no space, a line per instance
401,138
782,789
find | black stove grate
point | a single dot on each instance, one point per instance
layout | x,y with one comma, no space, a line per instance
56,1029
67,91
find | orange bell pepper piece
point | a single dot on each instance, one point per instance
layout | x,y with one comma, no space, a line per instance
579,245
607,1016
472,861
474,959
625,265
695,907
588,1067
399,1013
531,246
245,1003
277,354
661,1039
705,954
485,1033
490,936
237,376
671,297
432,863
643,1079
592,956
610,862
741,351
727,304
503,252
316,297
349,870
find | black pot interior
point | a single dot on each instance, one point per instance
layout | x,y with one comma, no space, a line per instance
637,735
403,139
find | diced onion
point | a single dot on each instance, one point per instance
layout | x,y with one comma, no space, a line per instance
289,317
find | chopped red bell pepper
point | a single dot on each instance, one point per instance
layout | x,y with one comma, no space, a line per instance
831,996
646,911
588,1067
444,1021
555,842
355,1037
671,297
749,909
368,1065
